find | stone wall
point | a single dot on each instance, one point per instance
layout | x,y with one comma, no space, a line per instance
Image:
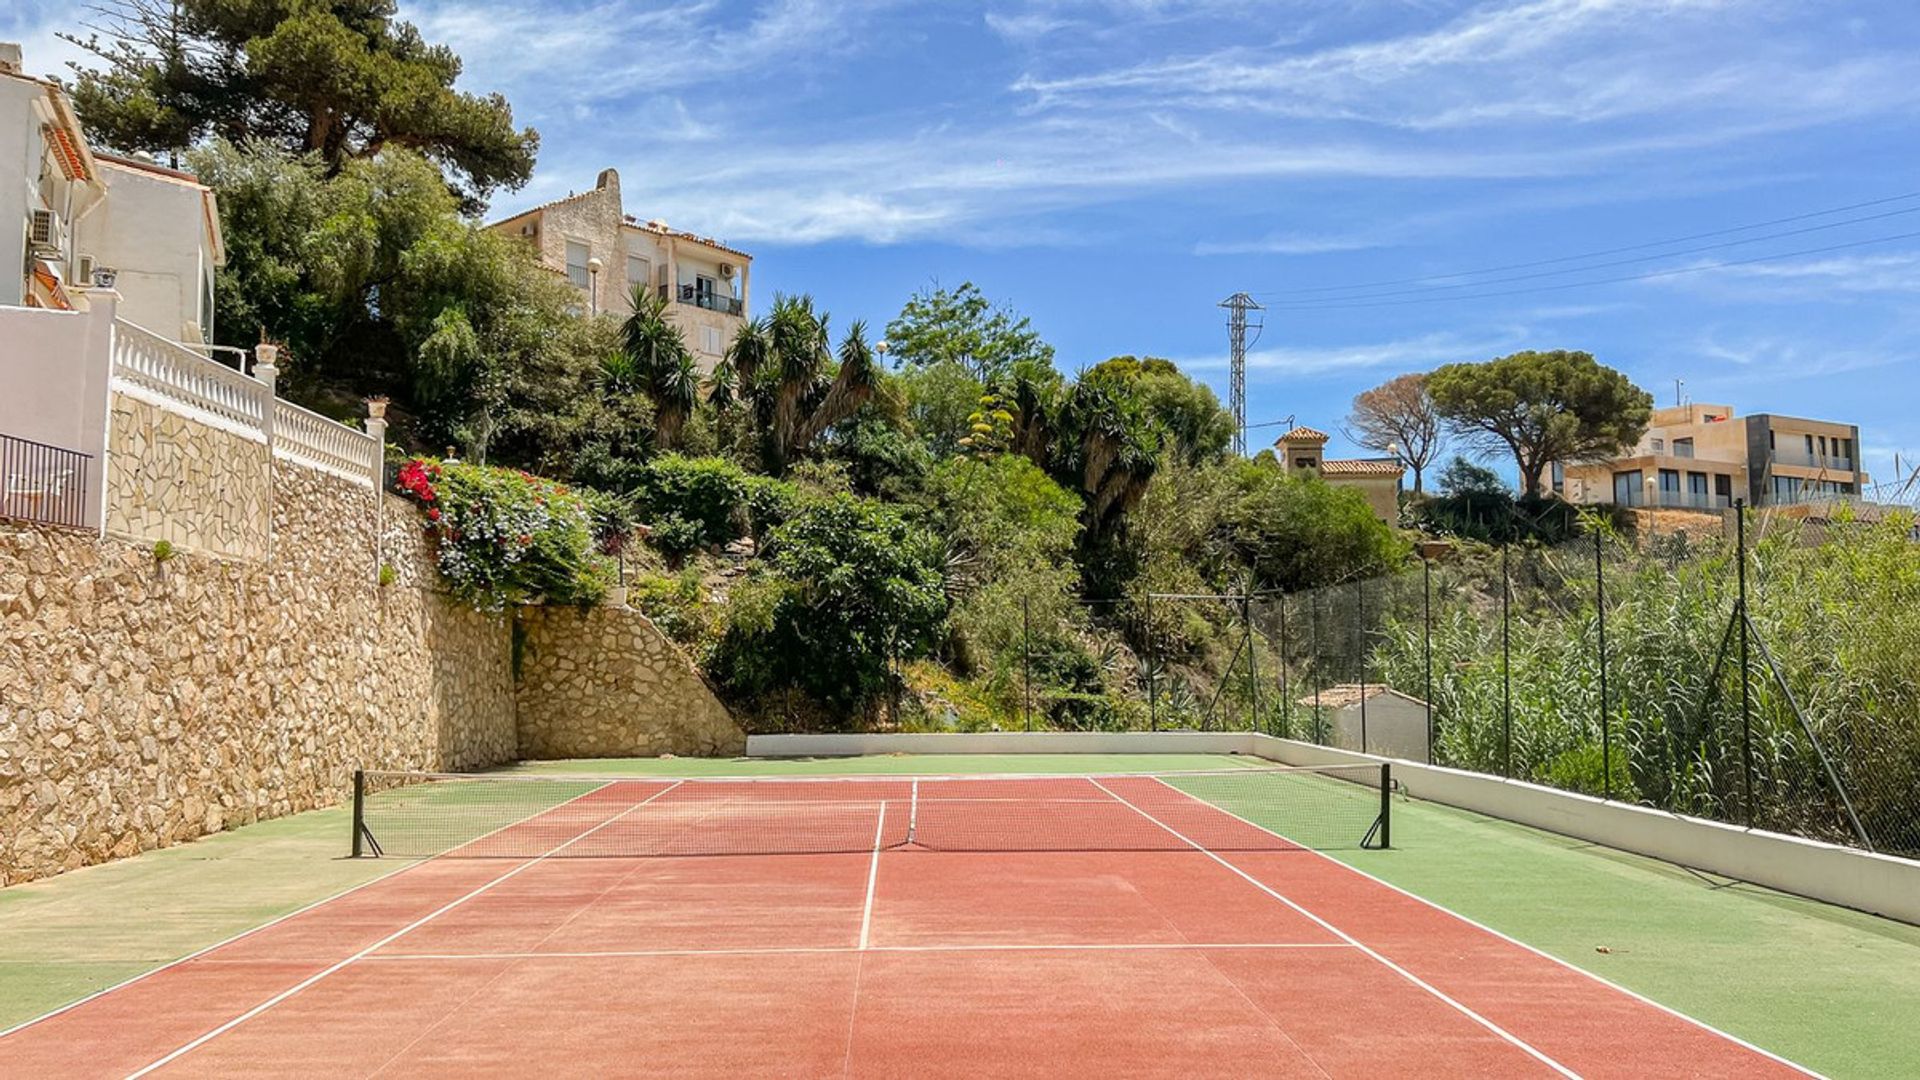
608,683
196,486
144,703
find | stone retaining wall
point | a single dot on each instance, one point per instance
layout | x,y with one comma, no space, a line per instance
608,683
145,703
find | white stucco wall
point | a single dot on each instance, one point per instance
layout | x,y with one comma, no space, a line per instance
153,231
19,164
1394,727
54,372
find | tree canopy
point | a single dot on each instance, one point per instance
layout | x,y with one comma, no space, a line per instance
1542,407
338,79
1398,417
961,326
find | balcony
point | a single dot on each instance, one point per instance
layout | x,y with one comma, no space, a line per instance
1805,460
692,294
1689,500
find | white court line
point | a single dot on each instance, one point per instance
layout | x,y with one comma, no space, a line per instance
410,863
1351,940
873,874
390,938
1542,953
832,950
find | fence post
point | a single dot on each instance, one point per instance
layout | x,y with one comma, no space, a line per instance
1153,671
1506,664
1313,646
1386,806
1426,641
1600,611
1026,667
1286,699
1746,677
1361,627
1253,663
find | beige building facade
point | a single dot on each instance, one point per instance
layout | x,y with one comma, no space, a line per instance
606,253
1304,449
1703,457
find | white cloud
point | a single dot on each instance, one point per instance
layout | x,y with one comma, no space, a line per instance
1405,354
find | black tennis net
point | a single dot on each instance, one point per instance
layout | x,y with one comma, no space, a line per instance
521,816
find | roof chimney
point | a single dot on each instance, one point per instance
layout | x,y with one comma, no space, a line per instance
10,57
609,178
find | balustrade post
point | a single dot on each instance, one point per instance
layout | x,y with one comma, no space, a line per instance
266,373
376,425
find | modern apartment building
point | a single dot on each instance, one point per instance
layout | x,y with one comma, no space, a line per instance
86,218
605,252
1703,457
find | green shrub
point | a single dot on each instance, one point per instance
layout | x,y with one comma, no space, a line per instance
845,586
708,491
678,537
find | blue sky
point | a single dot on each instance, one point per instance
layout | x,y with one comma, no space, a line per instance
1113,168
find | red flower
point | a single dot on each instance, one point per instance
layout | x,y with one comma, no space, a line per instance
432,514
525,539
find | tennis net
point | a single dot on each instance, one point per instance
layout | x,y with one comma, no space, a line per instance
518,815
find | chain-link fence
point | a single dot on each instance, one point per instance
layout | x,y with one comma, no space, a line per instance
1762,670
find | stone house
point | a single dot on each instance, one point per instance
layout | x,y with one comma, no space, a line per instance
1373,720
606,253
1378,479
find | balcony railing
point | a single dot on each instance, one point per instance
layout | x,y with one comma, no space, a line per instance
1804,460
43,483
690,294
1690,500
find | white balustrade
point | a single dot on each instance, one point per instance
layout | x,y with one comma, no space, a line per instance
171,374
327,445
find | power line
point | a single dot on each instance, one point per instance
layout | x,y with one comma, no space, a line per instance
1592,254
1332,304
1435,289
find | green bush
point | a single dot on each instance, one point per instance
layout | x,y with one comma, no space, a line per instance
845,586
710,492
678,537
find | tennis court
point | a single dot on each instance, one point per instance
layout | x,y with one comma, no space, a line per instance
1137,925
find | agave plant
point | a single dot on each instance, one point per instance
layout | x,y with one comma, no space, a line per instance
660,362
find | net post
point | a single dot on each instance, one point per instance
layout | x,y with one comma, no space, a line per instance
359,809
1386,806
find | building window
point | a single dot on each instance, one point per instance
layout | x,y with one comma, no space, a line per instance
710,340
1670,480
1683,448
639,274
577,263
1659,446
1627,488
1696,483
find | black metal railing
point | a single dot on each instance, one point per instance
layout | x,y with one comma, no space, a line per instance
43,483
693,294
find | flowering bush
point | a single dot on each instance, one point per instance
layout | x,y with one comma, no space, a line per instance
508,537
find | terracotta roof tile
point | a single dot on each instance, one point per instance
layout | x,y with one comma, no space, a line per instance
1304,434
1362,467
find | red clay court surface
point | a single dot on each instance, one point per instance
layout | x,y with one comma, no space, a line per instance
1202,947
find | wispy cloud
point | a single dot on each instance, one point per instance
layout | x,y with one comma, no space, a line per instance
1419,353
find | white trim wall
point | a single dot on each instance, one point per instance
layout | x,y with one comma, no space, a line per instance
1878,884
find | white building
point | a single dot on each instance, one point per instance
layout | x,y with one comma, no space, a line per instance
82,218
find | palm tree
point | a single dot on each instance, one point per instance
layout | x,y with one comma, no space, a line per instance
783,367
662,364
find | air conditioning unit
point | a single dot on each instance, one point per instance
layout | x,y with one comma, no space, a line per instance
726,270
83,270
47,234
